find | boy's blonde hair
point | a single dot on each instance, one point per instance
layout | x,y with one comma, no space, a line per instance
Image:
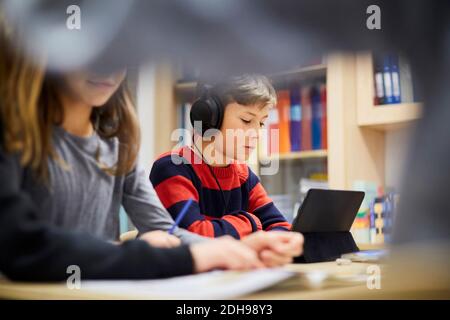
247,89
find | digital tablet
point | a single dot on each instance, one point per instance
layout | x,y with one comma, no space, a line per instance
327,211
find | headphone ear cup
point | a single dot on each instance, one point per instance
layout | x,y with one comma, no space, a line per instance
200,111
209,111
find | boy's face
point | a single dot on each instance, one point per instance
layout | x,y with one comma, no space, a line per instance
240,130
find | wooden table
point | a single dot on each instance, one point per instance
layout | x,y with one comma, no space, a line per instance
339,287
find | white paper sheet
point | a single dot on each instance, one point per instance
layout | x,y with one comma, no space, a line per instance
211,285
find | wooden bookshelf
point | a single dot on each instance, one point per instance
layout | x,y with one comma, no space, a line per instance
384,117
390,116
358,130
312,154
356,127
305,75
308,72
354,152
185,86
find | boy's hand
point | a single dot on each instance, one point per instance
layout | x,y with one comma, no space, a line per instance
275,248
224,253
160,239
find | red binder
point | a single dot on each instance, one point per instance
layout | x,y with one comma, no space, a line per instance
306,143
284,105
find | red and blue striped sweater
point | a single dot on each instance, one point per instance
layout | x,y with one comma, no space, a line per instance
248,209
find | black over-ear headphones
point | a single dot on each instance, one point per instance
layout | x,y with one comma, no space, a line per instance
208,109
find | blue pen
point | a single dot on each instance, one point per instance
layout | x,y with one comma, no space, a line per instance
181,215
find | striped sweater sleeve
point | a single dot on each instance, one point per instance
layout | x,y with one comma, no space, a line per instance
174,186
263,207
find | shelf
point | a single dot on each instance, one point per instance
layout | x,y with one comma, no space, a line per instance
380,117
186,86
296,155
356,127
390,116
305,72
317,70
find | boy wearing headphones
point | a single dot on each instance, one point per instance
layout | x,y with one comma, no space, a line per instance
228,197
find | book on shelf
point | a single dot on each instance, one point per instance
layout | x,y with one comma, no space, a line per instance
393,82
301,118
295,123
283,106
324,118
395,77
378,81
361,228
316,118
272,145
306,118
382,214
373,223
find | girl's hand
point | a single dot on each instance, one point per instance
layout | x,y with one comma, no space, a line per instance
275,248
224,253
160,239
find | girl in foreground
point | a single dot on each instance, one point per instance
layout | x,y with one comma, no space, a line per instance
75,138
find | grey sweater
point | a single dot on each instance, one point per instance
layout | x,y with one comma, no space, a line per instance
85,198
